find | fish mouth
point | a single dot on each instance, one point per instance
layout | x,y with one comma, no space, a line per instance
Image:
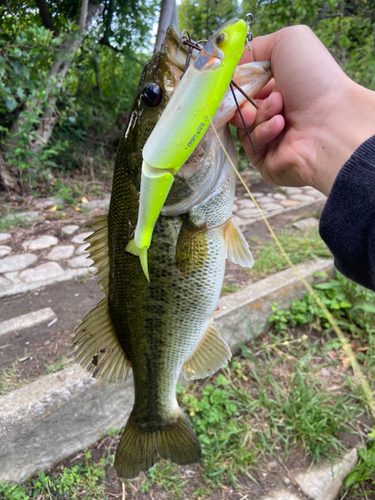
201,172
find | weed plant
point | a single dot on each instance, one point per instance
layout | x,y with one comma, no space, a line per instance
352,305
12,221
84,480
362,477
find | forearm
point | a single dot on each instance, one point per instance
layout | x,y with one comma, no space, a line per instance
348,220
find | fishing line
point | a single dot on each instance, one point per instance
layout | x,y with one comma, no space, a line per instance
344,341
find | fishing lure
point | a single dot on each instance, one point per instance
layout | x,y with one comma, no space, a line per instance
183,125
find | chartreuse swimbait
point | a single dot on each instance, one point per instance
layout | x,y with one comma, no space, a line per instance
183,125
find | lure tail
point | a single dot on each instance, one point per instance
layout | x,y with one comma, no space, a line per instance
140,449
155,184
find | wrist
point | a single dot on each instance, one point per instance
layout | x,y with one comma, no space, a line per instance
350,122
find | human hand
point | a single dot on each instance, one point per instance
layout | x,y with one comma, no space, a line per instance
312,117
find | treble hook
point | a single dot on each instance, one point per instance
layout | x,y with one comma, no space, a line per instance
249,18
186,40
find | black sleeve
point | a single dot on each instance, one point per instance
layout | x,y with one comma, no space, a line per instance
347,224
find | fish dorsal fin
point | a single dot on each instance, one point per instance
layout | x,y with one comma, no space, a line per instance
98,249
98,348
211,354
237,248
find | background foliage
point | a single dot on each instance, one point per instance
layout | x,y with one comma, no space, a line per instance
96,94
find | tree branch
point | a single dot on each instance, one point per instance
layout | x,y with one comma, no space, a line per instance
46,17
321,14
83,16
165,18
174,19
108,14
57,72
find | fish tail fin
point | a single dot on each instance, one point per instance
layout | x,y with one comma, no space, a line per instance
140,449
142,254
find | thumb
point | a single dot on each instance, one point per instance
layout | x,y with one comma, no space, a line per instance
261,48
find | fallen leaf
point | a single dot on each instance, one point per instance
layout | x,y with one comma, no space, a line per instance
332,355
346,362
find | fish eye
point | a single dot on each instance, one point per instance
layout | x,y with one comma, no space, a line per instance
152,95
220,38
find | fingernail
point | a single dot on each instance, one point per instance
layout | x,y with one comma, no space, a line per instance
270,122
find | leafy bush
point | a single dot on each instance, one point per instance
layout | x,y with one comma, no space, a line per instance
352,305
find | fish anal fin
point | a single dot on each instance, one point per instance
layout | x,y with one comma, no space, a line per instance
237,248
211,354
140,449
191,248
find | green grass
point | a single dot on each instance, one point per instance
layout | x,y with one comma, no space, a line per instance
361,480
58,365
12,221
229,288
84,480
352,306
299,245
8,378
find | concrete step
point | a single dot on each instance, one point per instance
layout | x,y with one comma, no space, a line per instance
26,320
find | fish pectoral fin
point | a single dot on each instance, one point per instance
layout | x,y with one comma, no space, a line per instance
237,248
98,349
140,449
211,354
142,254
191,248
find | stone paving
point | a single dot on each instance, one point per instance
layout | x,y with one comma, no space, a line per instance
274,203
34,268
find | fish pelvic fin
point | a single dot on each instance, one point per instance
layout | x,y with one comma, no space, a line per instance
237,248
140,449
142,254
211,354
98,349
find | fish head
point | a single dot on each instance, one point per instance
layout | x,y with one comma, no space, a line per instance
225,45
183,124
158,80
165,188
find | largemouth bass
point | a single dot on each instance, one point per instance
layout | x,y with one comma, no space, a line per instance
163,327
